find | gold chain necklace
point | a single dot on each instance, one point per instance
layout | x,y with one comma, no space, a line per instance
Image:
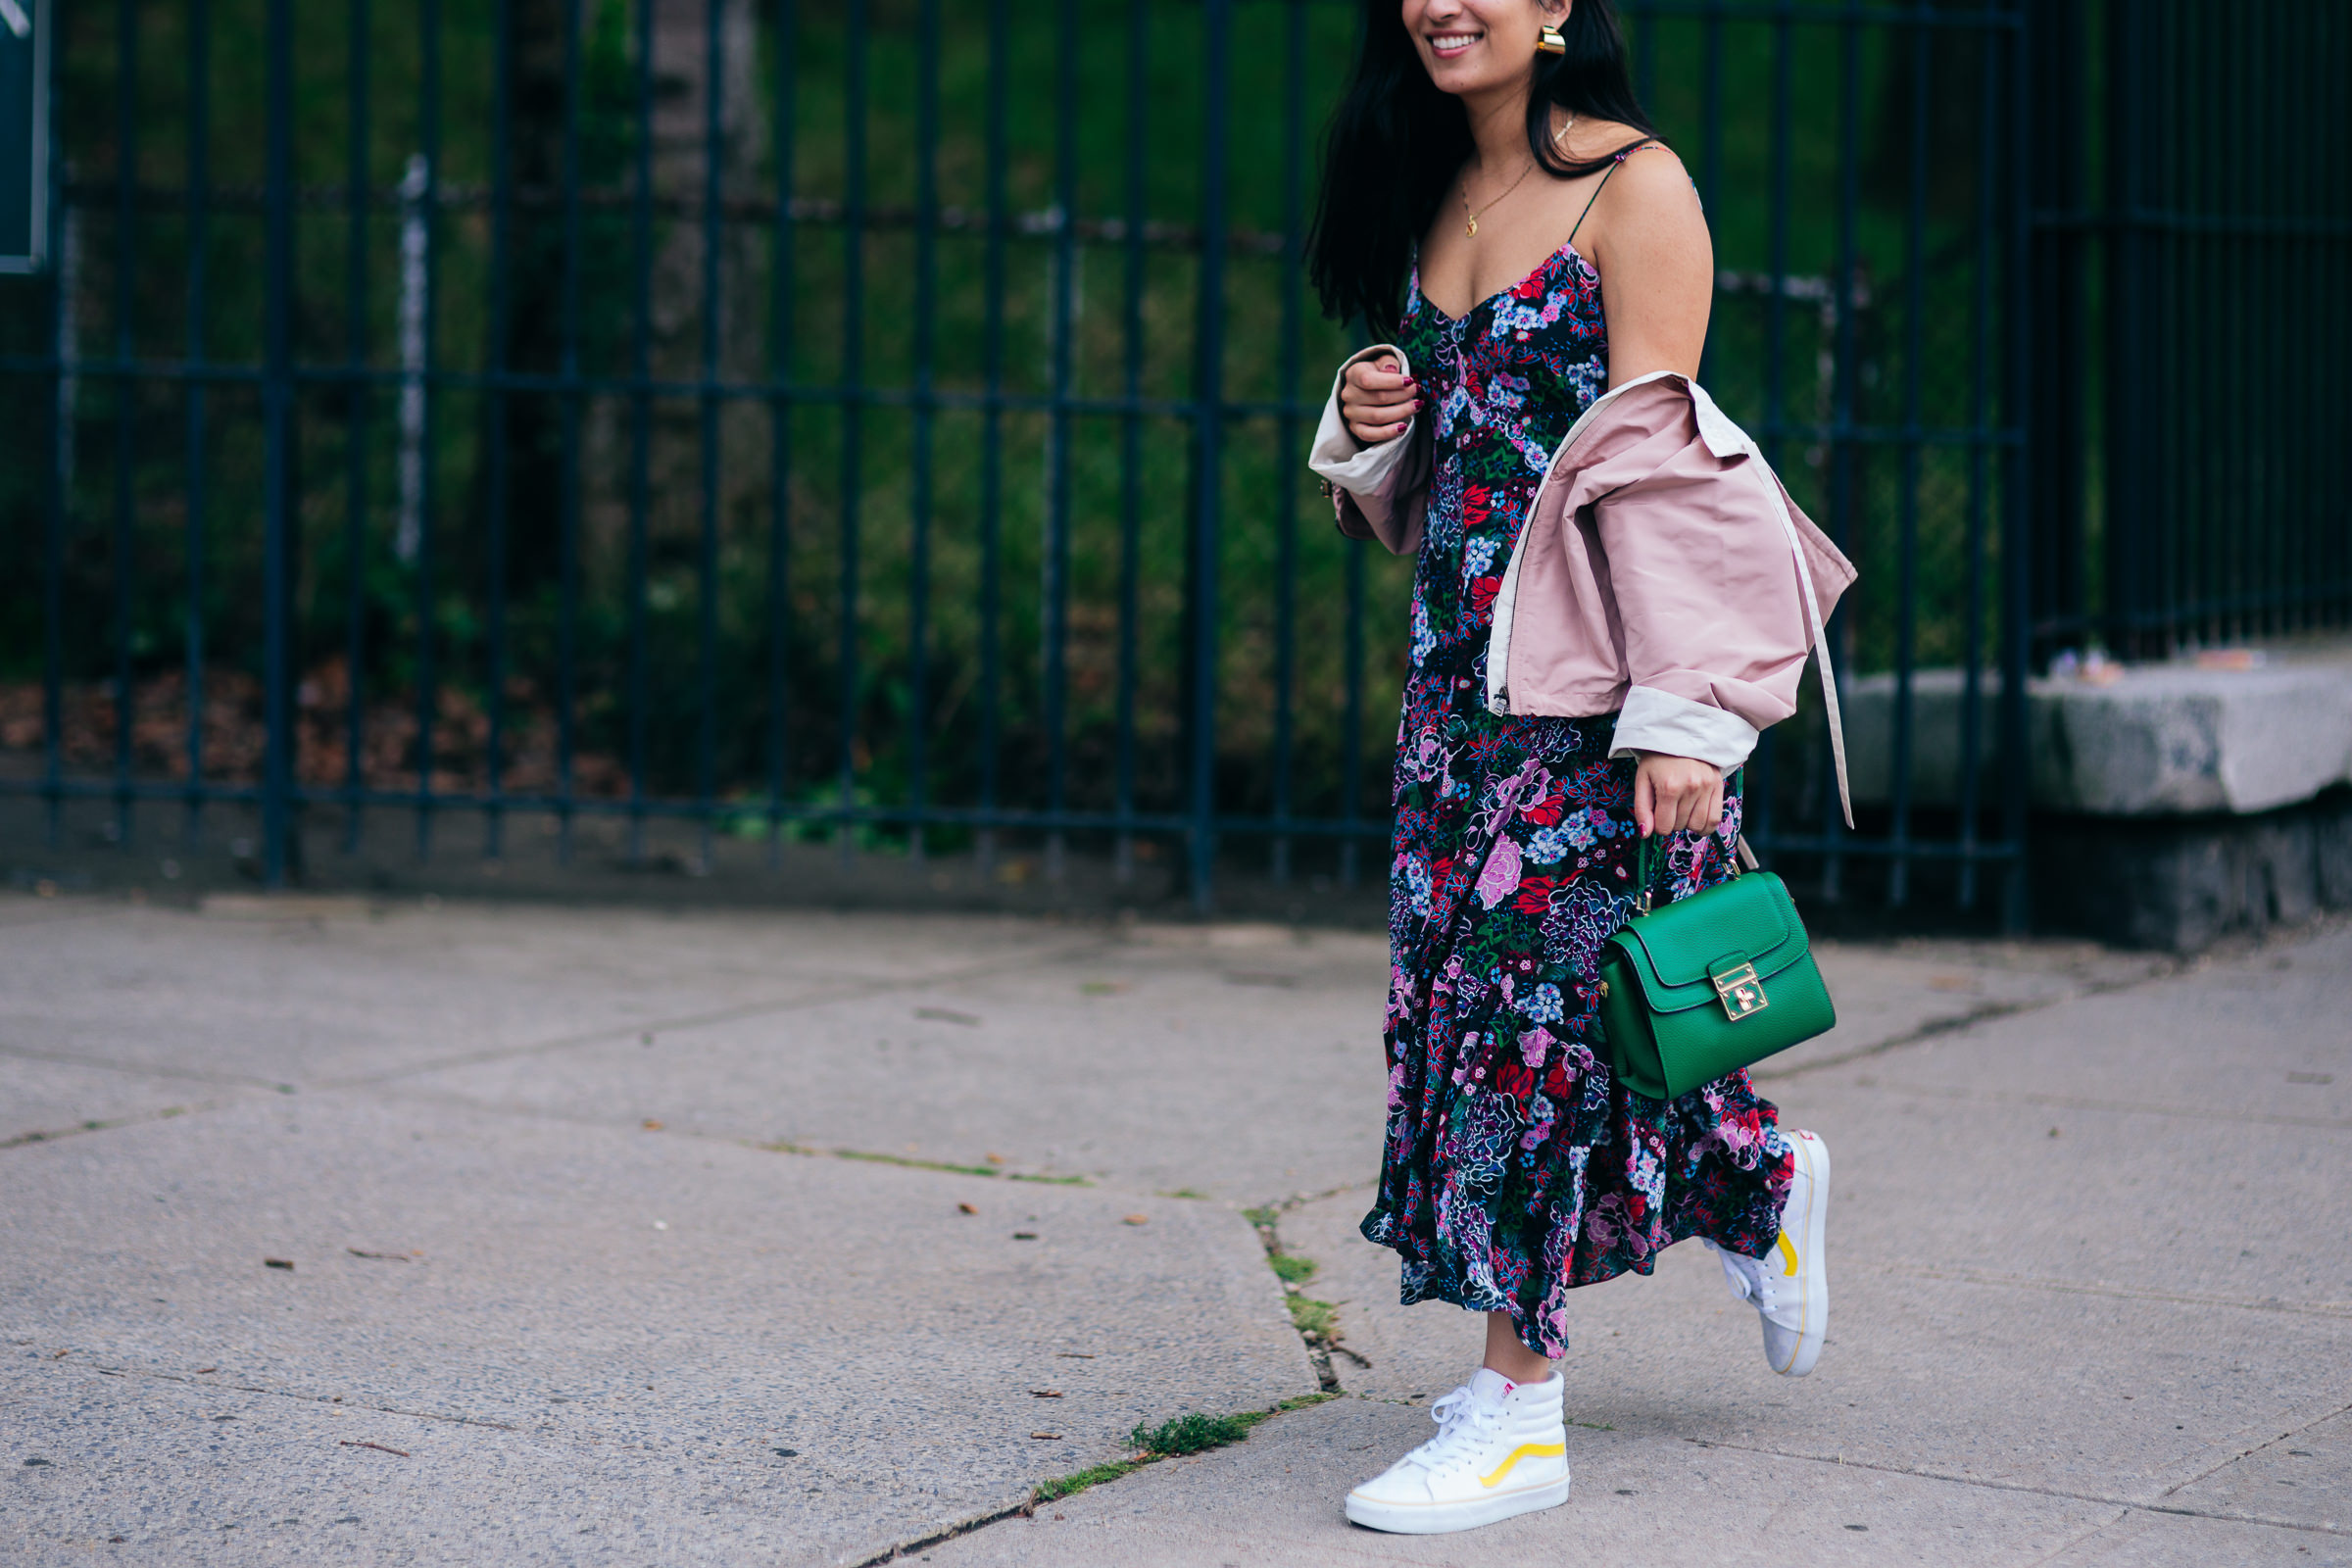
1470,228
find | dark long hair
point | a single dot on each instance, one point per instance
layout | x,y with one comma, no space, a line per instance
1395,143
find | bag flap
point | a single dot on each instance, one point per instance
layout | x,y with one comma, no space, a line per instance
1675,949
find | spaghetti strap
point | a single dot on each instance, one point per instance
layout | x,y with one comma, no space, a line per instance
1616,161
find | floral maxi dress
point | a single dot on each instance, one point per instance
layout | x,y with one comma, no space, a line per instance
1515,1167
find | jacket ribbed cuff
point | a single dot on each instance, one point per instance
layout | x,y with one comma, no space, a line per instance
1654,720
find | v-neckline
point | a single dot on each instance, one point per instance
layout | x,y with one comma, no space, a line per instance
1536,270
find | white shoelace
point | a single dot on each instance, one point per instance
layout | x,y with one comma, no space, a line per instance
1750,1281
1465,1422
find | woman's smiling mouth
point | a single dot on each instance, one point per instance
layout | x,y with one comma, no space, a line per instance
1445,45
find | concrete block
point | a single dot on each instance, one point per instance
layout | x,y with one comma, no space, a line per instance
2159,740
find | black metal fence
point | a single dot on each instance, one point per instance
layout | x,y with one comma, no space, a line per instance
886,421
2190,418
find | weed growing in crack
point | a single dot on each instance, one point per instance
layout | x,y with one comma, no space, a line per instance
1186,1434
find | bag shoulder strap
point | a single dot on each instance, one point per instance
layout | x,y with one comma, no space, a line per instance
1723,438
1821,639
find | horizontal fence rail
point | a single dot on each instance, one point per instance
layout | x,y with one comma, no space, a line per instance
886,424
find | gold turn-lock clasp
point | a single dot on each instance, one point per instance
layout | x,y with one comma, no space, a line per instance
1740,992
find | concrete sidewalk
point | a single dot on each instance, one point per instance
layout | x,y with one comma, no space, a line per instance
630,1238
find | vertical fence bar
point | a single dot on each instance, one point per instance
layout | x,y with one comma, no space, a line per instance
1645,54
125,387
706,751
277,433
641,256
1775,335
2251,428
355,421
55,498
1915,304
1285,427
1139,35
502,224
2016,541
2193,250
429,16
2161,450
2245,523
1844,452
2126,322
1209,425
2324,258
926,349
1710,156
780,302
1054,610
1971,629
200,180
853,410
991,427
568,438
2325,570
2058,470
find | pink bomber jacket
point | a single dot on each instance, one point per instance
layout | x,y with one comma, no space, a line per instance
1663,573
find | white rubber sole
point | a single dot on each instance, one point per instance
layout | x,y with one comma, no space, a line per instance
1443,1518
1811,1230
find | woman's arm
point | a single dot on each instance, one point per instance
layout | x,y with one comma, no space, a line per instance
1649,244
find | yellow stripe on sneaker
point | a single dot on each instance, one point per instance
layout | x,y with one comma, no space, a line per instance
1789,1251
1525,1450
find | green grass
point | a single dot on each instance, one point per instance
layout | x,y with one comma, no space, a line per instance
1184,1434
781,1147
1198,1434
1193,1432
1094,1475
1291,1269
1316,1321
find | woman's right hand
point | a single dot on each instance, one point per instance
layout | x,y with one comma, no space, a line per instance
1378,400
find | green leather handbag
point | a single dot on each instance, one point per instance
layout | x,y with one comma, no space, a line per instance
1699,987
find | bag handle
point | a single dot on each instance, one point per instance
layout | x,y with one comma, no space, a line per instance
1646,850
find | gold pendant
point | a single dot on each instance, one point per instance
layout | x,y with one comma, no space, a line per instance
1471,228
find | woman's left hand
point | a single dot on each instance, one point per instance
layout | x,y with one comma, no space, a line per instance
1676,795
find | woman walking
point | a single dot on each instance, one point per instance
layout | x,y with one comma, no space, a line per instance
1494,190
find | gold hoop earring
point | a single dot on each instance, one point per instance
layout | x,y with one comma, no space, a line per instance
1549,40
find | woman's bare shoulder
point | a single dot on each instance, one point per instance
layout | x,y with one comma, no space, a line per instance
1651,194
1588,139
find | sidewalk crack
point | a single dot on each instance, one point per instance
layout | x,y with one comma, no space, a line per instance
2134,1505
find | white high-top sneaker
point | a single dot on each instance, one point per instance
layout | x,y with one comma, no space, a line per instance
1502,1448
1790,1287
